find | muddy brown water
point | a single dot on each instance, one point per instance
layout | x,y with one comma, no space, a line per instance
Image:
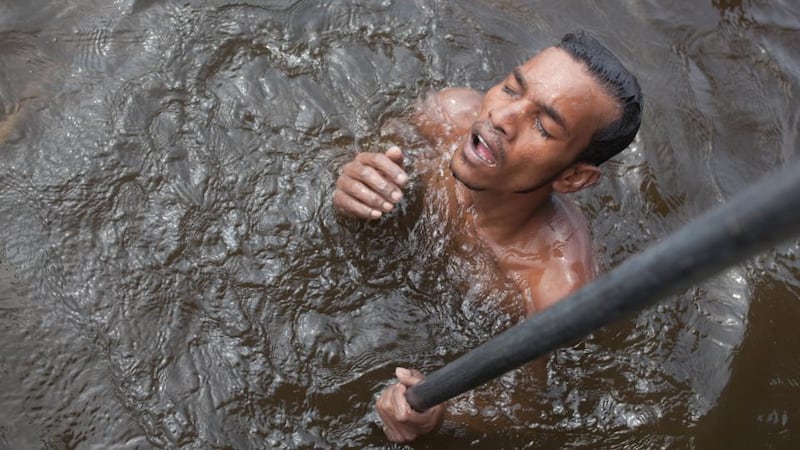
172,274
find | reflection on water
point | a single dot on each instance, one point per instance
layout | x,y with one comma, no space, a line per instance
172,273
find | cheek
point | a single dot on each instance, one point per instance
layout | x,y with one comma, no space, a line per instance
544,159
529,162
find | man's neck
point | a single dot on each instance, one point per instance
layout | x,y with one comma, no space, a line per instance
503,216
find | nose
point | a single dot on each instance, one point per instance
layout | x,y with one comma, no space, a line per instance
505,117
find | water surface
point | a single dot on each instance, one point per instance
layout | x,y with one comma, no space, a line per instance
172,273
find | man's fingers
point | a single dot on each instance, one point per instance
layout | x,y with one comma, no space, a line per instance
400,422
351,206
375,181
392,406
364,194
371,184
408,377
395,154
402,410
389,163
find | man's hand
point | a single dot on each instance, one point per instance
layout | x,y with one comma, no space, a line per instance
400,422
371,184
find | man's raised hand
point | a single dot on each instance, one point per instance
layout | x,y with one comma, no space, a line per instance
371,184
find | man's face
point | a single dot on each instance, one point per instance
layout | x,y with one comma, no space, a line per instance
533,125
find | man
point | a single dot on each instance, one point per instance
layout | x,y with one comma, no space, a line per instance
513,153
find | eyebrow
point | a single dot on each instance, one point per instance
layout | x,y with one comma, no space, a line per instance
518,76
547,109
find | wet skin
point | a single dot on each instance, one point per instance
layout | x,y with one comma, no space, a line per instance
512,156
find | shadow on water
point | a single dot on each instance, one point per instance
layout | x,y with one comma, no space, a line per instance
172,273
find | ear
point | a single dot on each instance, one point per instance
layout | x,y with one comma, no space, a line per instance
576,177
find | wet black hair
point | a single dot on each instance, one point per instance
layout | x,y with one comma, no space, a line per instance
619,83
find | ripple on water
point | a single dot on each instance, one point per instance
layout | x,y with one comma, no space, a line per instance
173,274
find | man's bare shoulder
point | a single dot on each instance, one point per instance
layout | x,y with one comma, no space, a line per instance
448,113
563,259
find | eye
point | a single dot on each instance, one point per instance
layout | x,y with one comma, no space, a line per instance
541,129
507,89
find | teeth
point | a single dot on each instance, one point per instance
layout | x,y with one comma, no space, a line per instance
481,141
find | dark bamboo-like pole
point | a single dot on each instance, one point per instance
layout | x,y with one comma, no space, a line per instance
754,220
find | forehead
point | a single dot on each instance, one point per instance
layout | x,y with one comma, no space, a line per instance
557,70
557,79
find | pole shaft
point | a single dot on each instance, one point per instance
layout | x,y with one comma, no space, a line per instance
756,219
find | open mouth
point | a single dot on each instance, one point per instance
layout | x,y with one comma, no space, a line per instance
482,149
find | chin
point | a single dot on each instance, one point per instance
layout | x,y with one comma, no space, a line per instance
461,178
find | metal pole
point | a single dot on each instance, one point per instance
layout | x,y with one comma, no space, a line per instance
756,219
